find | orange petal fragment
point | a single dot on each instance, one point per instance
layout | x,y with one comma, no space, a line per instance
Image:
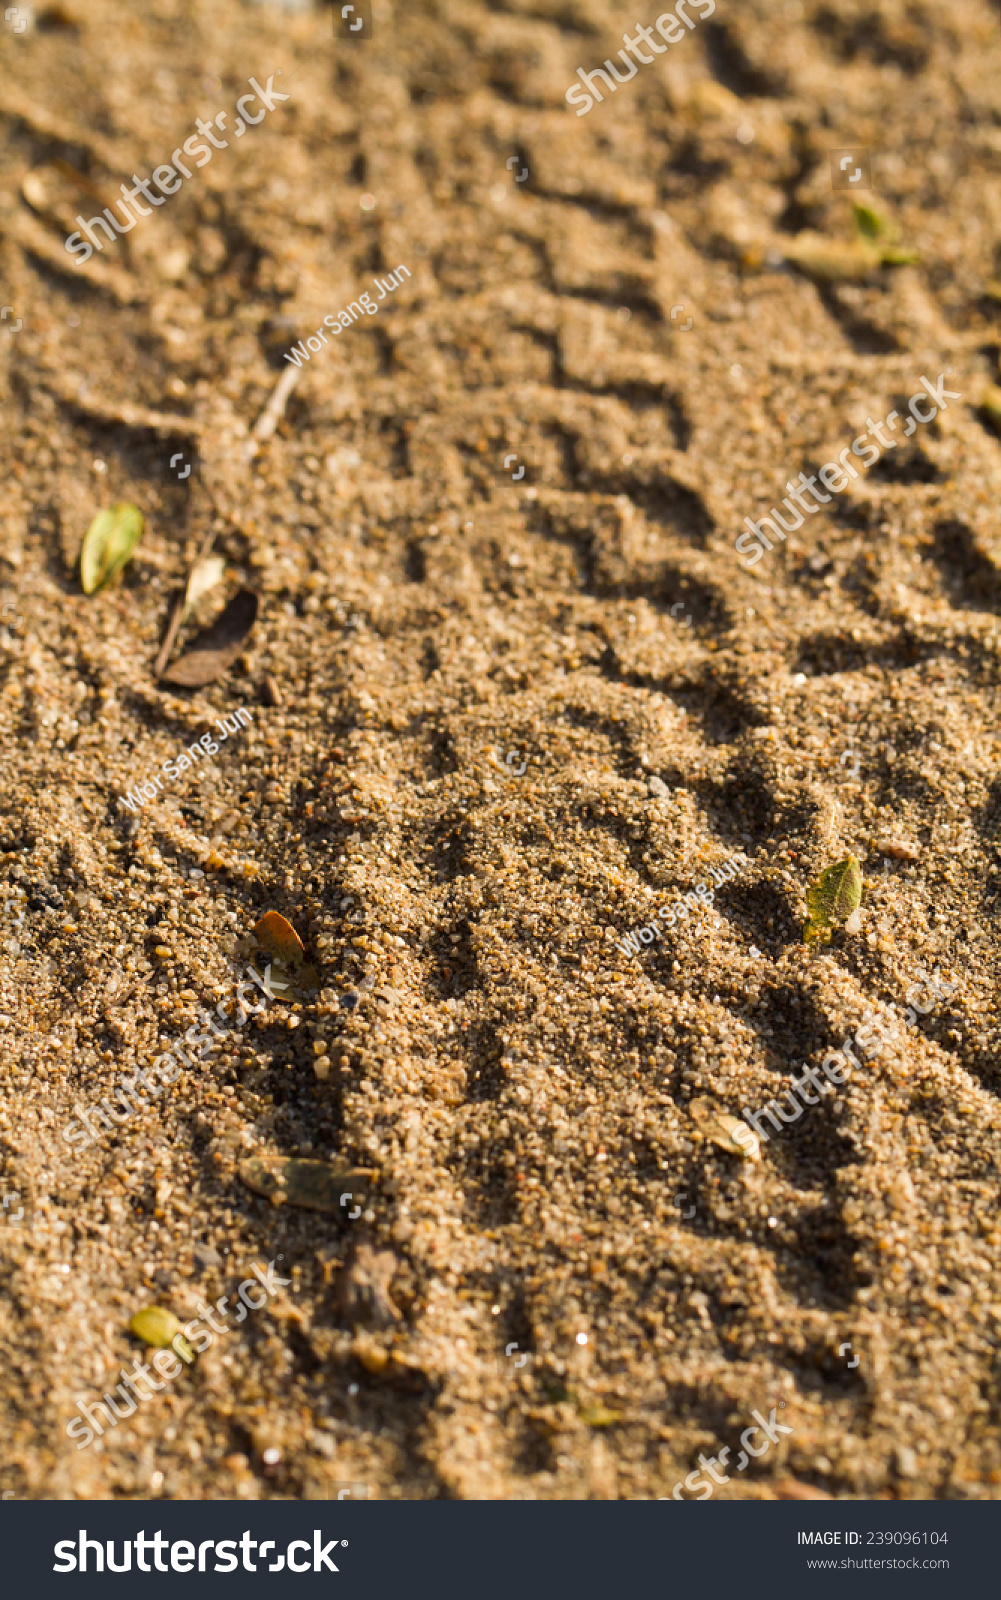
278,938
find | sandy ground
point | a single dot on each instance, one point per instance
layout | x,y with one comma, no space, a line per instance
496,723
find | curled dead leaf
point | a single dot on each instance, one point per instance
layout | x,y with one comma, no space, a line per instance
280,942
216,647
278,939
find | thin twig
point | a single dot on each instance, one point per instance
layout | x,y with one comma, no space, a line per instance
270,417
263,428
177,613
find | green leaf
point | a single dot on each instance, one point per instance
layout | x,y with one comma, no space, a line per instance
160,1328
832,899
108,544
870,224
600,1417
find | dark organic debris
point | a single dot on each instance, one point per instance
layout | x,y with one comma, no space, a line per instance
216,647
316,1185
363,1287
205,1257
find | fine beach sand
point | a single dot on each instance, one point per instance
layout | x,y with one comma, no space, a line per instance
496,723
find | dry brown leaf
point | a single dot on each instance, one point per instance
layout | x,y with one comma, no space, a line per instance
217,647
277,938
280,942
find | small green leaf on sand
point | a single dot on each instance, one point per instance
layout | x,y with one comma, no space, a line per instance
108,544
598,1417
897,255
875,245
833,898
161,1329
313,1184
871,225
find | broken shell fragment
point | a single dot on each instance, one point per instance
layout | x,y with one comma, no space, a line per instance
730,1133
898,850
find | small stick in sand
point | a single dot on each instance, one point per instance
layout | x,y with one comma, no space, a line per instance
272,414
263,428
178,612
